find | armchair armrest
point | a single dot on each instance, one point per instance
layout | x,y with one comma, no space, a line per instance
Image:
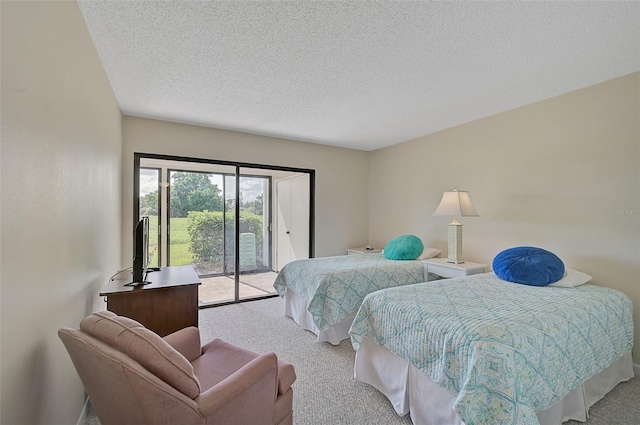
257,377
186,341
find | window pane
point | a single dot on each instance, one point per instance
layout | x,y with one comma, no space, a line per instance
196,221
149,206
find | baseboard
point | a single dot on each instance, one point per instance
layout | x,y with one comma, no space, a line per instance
84,413
636,370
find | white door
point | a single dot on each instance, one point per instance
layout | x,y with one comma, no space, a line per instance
293,219
283,243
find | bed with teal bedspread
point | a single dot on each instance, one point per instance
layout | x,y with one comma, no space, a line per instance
506,350
334,287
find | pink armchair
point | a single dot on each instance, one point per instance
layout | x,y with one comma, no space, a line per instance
133,376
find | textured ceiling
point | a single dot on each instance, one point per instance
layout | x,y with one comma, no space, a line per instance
356,74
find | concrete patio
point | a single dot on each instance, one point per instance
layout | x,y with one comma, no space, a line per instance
221,288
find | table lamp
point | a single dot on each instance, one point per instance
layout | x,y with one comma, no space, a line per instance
456,204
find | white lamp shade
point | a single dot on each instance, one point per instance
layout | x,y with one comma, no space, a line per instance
456,204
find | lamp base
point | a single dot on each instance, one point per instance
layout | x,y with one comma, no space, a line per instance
455,243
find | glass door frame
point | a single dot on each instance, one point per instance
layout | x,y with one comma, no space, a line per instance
157,229
238,165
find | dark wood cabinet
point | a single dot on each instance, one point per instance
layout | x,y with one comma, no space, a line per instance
168,303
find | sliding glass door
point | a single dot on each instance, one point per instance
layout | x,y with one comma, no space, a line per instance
219,217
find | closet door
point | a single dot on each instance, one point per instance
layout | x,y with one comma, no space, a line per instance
292,219
283,247
299,218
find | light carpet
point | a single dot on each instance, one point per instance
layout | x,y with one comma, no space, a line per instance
325,391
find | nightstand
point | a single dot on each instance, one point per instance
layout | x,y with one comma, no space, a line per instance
440,267
356,251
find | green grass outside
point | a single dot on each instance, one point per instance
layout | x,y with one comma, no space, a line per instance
178,245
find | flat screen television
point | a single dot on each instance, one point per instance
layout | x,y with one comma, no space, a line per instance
141,252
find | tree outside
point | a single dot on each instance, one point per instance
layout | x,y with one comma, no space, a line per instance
149,204
193,192
254,207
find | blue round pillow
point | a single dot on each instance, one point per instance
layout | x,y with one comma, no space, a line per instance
405,247
529,266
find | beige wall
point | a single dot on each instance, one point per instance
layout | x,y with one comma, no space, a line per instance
60,194
562,174
341,185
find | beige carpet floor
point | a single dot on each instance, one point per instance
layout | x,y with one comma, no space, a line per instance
325,391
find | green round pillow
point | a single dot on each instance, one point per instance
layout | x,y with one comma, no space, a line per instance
405,247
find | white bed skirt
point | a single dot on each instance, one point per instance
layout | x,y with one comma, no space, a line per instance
296,307
411,391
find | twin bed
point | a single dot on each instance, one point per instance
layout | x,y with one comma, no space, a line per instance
479,350
323,294
471,350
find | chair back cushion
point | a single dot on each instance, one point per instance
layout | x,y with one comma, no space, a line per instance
145,347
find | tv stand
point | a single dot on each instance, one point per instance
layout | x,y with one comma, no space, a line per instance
166,303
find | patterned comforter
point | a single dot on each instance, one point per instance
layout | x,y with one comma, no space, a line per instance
334,287
506,350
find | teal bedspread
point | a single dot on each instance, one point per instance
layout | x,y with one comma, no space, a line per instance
334,287
506,350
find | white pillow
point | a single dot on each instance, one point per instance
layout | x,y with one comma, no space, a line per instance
429,253
572,278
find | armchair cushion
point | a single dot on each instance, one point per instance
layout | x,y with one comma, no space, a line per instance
145,347
233,357
255,380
